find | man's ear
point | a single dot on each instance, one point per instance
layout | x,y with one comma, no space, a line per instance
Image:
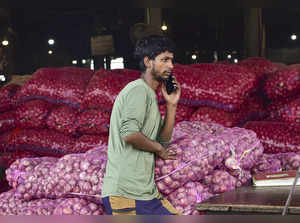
147,62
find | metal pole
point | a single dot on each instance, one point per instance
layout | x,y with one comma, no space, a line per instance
288,201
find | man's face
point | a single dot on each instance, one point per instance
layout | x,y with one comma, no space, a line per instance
162,66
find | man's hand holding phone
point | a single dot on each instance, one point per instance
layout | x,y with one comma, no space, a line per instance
174,90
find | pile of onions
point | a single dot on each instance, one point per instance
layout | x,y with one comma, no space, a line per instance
87,142
8,97
7,121
43,142
283,83
103,89
63,120
32,114
196,157
93,122
217,85
77,206
276,137
220,181
186,197
183,112
75,174
60,86
267,163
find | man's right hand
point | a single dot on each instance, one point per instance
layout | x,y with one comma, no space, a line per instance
166,154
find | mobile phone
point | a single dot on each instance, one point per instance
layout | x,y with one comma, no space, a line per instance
169,84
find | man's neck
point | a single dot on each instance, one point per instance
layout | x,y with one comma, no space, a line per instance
147,77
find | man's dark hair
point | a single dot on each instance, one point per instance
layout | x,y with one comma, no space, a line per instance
151,47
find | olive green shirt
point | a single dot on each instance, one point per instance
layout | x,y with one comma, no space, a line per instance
130,171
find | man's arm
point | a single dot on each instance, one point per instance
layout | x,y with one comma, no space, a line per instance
171,103
167,128
139,141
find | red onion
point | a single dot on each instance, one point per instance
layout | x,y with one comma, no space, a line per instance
93,122
186,197
87,142
283,83
220,181
32,114
183,112
276,137
7,121
44,142
103,89
267,163
217,85
63,120
56,86
77,206
7,97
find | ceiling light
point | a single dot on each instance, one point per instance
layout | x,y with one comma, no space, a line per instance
294,37
5,42
51,41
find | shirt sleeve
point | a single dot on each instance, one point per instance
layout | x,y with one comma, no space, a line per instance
159,139
134,111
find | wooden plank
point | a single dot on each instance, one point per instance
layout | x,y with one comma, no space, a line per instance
102,45
253,199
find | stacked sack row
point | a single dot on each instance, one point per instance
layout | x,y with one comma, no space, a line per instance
66,111
220,93
279,132
43,117
211,159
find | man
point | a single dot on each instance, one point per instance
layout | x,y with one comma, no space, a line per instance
137,134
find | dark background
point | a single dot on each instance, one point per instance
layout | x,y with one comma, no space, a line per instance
193,29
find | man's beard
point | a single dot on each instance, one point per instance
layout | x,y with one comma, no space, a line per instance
155,76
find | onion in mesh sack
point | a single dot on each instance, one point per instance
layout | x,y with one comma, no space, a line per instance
218,85
58,86
267,163
183,112
63,120
9,203
260,66
186,197
220,181
245,148
10,157
276,137
20,169
283,83
78,175
77,206
8,99
32,114
7,121
103,89
289,161
196,127
39,207
93,122
87,142
196,157
277,107
43,142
